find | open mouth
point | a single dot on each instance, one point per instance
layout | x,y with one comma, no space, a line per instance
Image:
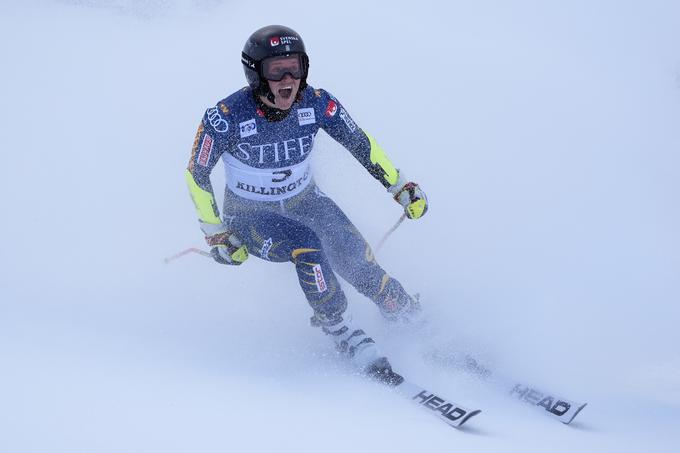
286,92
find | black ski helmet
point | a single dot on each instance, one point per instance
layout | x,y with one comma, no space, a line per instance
271,41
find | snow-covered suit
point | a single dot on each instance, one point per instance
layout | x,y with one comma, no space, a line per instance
272,203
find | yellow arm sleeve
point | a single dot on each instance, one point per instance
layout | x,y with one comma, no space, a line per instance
379,158
206,207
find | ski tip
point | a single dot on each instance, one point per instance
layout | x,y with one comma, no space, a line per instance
468,417
575,414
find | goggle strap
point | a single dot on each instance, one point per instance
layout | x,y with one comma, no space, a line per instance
246,60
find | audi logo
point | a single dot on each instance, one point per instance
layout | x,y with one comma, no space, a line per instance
216,121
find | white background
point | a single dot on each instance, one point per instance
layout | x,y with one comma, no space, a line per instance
546,135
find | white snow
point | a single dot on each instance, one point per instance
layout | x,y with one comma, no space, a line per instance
546,135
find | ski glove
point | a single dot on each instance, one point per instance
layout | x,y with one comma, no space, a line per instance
227,248
410,196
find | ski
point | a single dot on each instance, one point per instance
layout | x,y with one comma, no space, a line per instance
446,410
559,408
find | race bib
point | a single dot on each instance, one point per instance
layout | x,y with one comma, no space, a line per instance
263,184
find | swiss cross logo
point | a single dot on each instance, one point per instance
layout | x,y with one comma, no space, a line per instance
275,41
331,109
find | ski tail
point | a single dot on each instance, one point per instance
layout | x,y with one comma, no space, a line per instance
575,414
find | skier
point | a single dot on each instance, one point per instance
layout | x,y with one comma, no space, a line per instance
264,133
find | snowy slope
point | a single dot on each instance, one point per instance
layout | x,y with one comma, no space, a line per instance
546,137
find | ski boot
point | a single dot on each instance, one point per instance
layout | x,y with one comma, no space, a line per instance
381,371
358,347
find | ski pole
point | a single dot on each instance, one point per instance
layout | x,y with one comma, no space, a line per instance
186,252
389,232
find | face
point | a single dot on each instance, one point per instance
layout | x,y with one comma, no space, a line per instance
284,92
285,89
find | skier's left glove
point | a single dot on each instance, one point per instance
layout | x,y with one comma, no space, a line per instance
227,248
410,196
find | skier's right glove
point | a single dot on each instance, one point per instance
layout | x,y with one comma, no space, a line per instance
227,248
410,196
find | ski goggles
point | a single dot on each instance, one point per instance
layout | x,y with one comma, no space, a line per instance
276,68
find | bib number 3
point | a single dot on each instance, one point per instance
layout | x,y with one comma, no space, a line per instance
285,174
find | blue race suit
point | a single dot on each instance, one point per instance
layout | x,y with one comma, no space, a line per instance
273,204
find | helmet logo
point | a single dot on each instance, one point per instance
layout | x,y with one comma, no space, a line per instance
278,40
